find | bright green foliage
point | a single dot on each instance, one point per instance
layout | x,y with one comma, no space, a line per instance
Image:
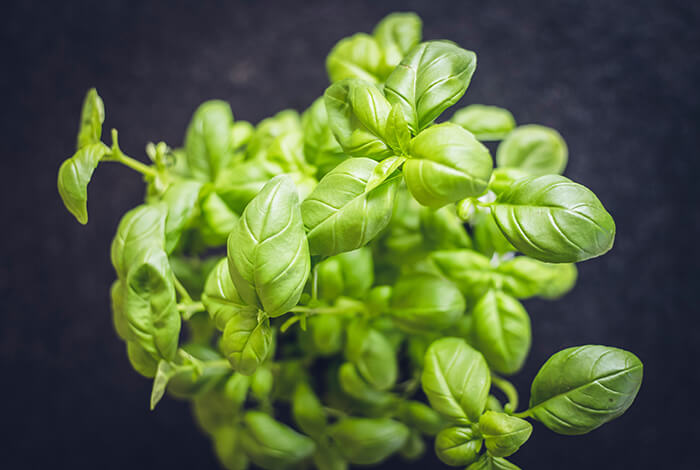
369,253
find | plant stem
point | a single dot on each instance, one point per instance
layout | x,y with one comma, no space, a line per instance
509,390
189,309
118,156
186,297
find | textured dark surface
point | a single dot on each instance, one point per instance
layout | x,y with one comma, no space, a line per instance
617,79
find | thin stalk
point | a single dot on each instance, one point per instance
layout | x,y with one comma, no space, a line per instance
509,390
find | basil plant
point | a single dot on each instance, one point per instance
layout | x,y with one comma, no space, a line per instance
307,282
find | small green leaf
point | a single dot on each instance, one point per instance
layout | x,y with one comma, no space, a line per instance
181,201
141,228
547,280
308,411
581,388
246,342
357,56
448,164
537,150
420,416
227,446
261,383
163,374
220,297
320,146
397,34
272,445
421,302
141,360
485,122
503,434
268,252
358,115
91,119
327,457
398,135
217,220
501,331
432,77
340,216
372,354
456,379
324,334
458,446
366,441
488,462
553,219
75,174
442,229
414,448
209,140
356,387
382,171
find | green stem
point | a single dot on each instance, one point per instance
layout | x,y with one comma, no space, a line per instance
118,156
509,390
314,284
186,297
319,310
189,309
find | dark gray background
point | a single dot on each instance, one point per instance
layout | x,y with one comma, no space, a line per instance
618,79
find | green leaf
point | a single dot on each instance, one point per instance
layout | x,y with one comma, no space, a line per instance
537,150
269,129
217,220
268,252
308,411
448,164
150,305
397,133
181,201
118,296
340,216
397,34
141,228
227,446
357,56
272,445
420,416
366,441
501,331
456,379
421,302
324,334
414,448
241,133
141,360
372,354
382,171
503,434
458,446
548,280
503,177
350,273
327,457
487,462
209,140
320,146
442,229
75,174
356,387
246,342
358,115
91,119
432,77
238,186
200,373
220,297
485,122
163,374
553,219
488,238
261,383
581,388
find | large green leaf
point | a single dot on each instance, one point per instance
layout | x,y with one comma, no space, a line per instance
458,446
448,164
268,252
581,388
340,216
432,77
141,228
501,331
456,379
553,219
503,434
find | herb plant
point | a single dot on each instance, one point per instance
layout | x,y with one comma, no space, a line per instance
370,253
